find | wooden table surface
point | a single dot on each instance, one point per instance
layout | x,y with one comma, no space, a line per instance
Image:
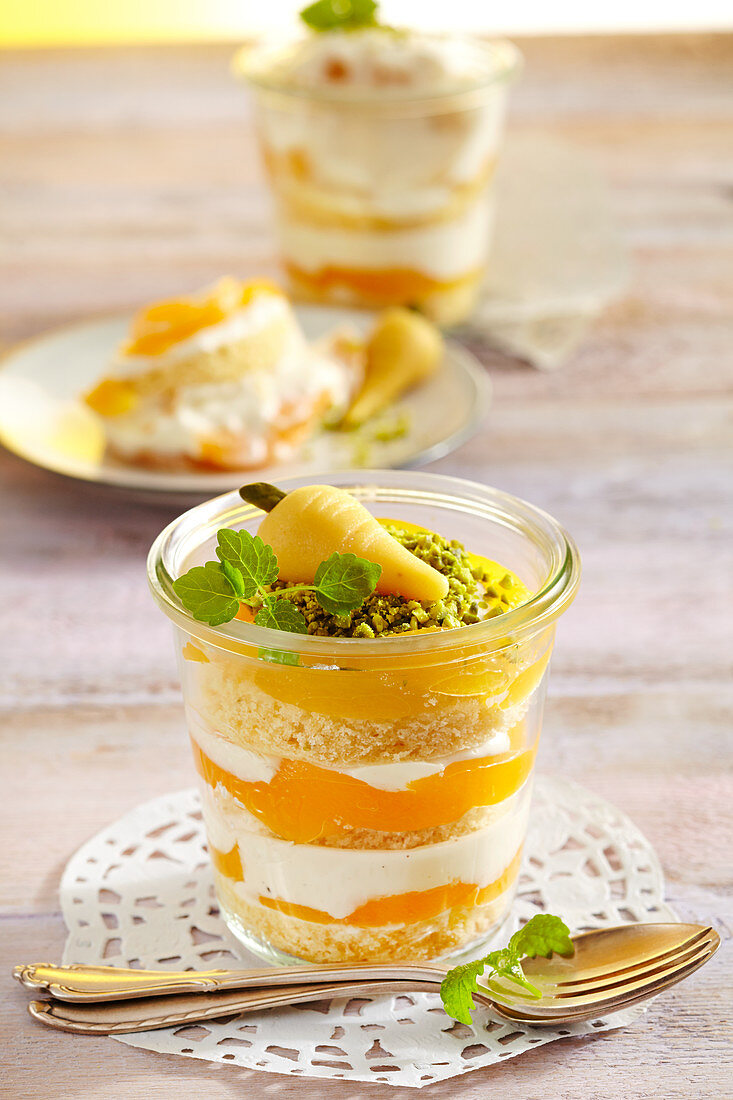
131,173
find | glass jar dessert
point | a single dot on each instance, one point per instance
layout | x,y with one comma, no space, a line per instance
380,147
366,785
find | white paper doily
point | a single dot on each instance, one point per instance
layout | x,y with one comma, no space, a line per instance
140,893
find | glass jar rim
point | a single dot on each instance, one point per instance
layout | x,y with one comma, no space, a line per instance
488,635
503,62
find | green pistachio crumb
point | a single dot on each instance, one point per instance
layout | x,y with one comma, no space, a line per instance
469,598
388,431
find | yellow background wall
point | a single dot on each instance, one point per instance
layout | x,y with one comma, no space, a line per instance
96,22
90,22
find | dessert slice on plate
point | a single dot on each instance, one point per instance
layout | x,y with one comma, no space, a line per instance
224,379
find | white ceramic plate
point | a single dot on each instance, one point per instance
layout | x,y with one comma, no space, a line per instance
43,420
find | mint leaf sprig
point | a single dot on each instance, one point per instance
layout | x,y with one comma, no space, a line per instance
331,15
542,935
247,568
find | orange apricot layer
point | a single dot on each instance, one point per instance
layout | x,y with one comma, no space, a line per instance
303,802
415,905
386,286
387,695
227,863
112,397
163,324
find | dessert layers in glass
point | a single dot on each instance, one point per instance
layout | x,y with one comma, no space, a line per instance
365,813
381,150
367,799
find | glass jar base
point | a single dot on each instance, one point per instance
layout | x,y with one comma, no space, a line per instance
262,948
275,956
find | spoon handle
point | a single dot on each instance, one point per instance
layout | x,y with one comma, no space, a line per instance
78,982
150,1013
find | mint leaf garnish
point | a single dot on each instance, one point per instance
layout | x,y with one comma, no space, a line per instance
506,964
281,615
206,592
254,559
234,577
279,656
343,582
329,15
458,987
542,935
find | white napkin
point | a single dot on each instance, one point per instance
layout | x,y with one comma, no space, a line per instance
557,259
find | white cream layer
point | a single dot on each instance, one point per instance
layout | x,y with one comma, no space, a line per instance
339,880
263,310
444,251
252,768
385,166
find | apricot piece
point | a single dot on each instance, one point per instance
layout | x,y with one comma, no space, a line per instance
381,285
312,522
403,350
112,397
527,681
227,863
161,325
303,801
192,652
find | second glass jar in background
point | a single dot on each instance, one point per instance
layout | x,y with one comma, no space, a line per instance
384,197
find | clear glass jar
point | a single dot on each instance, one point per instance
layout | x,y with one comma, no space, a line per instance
384,196
368,799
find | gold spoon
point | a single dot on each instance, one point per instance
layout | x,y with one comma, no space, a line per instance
611,968
626,961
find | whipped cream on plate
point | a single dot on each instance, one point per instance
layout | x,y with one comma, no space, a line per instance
277,395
